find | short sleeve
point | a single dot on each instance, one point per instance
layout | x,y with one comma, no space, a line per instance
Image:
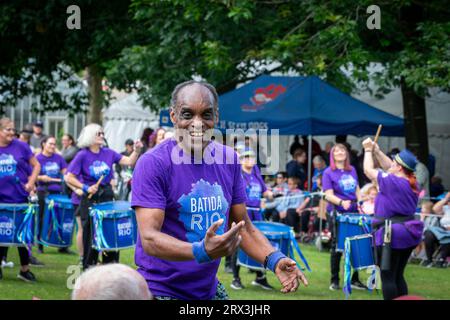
383,179
75,165
62,163
116,156
27,152
149,184
326,181
239,194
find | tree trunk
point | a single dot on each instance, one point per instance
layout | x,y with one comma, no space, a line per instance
416,132
94,80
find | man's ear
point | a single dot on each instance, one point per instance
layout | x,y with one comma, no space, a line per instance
173,117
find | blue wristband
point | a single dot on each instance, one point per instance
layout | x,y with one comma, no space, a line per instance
273,258
199,251
85,188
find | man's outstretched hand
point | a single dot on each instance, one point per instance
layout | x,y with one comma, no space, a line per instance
289,275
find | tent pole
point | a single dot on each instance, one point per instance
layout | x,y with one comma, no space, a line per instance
309,161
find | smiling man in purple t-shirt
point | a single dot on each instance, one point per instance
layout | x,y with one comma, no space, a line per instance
192,213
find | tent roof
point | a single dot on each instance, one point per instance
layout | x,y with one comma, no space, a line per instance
128,108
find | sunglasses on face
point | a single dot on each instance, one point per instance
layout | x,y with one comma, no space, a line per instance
100,134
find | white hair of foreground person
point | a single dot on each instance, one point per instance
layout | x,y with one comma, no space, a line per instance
111,282
88,135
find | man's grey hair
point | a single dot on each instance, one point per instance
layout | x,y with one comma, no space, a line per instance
88,135
111,282
212,92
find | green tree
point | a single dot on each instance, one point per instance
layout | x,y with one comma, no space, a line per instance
231,41
39,50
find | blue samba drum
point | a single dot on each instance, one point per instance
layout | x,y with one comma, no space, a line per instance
361,252
58,221
279,236
350,225
17,224
114,226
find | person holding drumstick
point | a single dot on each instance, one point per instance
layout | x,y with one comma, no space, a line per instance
189,197
396,202
340,184
53,168
16,182
91,172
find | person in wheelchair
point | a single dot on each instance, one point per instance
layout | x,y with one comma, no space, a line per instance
439,235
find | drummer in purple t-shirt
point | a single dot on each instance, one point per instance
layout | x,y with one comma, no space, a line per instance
396,201
53,168
91,163
340,184
189,197
16,182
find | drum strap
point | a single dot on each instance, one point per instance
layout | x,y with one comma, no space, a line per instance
297,248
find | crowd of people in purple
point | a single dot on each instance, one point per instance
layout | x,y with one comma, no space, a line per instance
190,215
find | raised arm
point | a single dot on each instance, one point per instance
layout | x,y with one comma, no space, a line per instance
384,160
369,169
131,160
438,208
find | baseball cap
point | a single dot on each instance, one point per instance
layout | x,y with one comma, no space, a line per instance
38,123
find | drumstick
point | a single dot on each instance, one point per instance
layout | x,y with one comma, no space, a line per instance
97,184
378,133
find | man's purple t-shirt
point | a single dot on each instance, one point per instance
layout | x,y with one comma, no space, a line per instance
14,172
51,166
193,197
344,184
88,166
396,198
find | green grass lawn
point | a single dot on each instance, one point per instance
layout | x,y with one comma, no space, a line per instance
429,283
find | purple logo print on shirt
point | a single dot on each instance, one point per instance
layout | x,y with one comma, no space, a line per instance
347,184
8,165
51,169
253,191
98,169
203,206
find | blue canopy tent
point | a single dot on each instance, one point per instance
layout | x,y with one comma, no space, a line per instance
301,106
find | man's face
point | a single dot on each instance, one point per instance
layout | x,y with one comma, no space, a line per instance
302,158
194,117
129,148
37,130
7,132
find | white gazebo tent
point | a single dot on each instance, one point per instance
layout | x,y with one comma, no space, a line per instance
126,119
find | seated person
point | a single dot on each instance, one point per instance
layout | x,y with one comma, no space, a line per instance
281,186
289,208
368,205
429,220
439,235
111,282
